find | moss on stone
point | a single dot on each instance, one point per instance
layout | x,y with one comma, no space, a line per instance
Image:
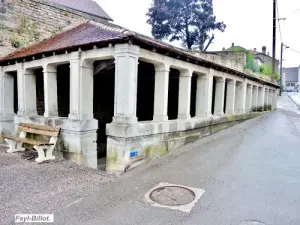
112,157
155,151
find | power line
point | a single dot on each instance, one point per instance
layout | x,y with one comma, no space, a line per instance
279,21
294,50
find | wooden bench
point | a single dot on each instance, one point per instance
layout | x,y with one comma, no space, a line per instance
44,148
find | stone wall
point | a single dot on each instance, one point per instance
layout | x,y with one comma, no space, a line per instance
234,60
47,20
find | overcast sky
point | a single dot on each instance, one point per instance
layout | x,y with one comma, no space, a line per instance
249,23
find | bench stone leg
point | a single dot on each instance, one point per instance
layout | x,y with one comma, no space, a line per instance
14,146
42,157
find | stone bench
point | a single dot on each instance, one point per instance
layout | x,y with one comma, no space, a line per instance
43,147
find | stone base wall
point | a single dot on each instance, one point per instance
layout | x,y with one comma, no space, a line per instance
77,139
126,153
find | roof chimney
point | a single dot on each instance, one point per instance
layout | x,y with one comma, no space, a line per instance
264,50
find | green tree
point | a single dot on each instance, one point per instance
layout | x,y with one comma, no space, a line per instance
188,21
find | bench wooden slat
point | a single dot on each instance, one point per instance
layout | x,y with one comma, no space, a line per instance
41,132
40,127
27,141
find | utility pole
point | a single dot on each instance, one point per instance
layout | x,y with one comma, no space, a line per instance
274,39
281,58
281,67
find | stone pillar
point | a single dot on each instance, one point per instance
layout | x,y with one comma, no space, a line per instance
126,56
240,98
21,81
50,91
161,93
219,96
249,98
266,96
230,98
204,95
86,91
75,86
6,103
261,97
270,97
30,93
275,99
184,100
254,96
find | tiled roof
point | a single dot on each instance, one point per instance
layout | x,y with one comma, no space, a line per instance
92,33
83,34
85,6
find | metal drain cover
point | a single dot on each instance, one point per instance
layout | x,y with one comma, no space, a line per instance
172,196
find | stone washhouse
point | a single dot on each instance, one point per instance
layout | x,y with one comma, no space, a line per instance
124,98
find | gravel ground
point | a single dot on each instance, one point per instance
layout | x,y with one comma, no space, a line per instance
28,187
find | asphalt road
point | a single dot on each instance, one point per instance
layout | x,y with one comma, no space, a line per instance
250,172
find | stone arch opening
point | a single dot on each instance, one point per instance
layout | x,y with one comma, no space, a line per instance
11,84
213,95
173,94
145,91
40,101
63,90
103,103
193,94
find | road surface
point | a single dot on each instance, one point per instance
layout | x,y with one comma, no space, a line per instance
250,172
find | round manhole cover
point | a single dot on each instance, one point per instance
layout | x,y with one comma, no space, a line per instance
172,196
251,222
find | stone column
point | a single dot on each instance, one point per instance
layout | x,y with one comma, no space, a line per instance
126,56
75,86
86,91
270,97
275,99
21,94
254,96
161,93
261,97
50,91
240,98
184,100
6,103
204,95
249,98
230,98
30,93
266,96
219,96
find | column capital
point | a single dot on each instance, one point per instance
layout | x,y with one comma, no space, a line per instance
186,73
49,68
121,49
231,82
162,68
220,79
75,56
29,72
203,77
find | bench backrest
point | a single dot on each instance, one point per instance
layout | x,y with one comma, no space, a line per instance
39,129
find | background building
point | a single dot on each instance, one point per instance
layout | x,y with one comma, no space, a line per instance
291,78
25,22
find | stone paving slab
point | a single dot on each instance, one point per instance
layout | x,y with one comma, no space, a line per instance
28,187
